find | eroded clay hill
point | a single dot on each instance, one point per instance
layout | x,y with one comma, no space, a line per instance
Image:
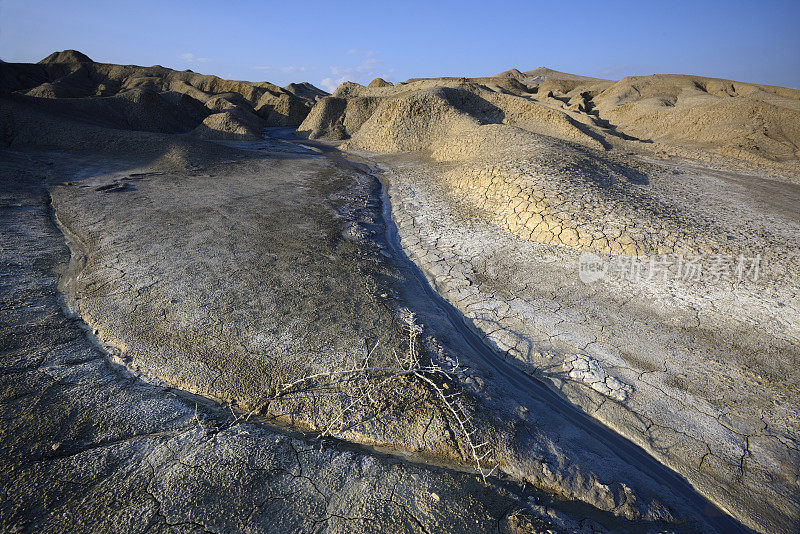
498,142
752,122
666,165
70,85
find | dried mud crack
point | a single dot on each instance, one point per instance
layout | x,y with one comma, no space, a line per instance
114,432
124,455
207,326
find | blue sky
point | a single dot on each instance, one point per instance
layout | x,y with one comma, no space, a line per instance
325,43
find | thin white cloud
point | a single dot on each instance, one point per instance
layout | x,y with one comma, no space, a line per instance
365,53
330,84
369,68
191,58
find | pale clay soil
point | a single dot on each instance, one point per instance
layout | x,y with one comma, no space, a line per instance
89,446
216,336
702,375
498,186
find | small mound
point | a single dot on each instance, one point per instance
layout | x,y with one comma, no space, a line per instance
233,123
282,109
337,118
379,82
441,116
413,121
224,101
66,56
511,73
306,91
50,90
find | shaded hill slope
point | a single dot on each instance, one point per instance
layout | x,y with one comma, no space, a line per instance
441,115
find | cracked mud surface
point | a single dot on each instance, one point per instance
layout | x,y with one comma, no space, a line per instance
90,445
86,446
248,336
708,371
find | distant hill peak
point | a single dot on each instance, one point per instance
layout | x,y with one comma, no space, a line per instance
511,73
539,74
67,56
546,73
379,82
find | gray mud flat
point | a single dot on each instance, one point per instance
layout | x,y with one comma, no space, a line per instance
267,334
218,281
87,446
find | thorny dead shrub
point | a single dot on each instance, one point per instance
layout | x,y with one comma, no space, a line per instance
364,391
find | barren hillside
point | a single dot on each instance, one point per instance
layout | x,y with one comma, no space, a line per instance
71,86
